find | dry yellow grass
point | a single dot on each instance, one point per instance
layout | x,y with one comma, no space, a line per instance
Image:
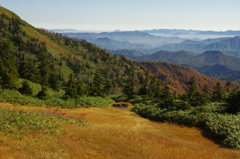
115,133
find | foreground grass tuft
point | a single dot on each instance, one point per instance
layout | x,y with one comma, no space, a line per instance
22,122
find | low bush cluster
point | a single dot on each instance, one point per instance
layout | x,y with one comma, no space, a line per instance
225,127
53,100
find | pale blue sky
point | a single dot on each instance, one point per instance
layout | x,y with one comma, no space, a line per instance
128,14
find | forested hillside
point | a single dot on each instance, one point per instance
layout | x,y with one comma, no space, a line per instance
177,76
57,62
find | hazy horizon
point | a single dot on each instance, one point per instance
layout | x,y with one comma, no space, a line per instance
128,15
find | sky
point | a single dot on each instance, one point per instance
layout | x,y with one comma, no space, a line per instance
110,15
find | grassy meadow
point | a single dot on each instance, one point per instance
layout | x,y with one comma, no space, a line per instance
108,133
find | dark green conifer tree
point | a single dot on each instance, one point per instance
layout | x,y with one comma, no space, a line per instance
97,88
43,94
8,67
193,96
167,99
45,65
108,87
156,87
26,88
129,88
218,93
54,82
81,90
71,89
143,91
233,102
28,69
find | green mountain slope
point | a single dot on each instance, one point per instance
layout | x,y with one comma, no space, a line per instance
43,57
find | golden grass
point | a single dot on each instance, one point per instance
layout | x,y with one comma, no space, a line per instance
115,133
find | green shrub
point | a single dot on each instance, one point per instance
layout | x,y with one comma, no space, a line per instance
225,127
182,105
54,100
26,88
232,141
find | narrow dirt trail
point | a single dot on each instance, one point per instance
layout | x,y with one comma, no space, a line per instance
120,133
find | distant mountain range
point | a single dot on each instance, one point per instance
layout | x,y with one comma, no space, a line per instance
184,31
153,45
130,36
145,42
211,63
221,44
178,57
173,32
125,52
107,43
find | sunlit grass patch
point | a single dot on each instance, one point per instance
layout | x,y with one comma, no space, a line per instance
23,122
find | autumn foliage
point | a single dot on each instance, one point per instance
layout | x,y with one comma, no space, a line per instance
177,76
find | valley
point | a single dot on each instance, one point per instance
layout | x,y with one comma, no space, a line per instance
57,92
154,45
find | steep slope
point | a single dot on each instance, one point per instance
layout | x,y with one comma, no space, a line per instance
48,58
